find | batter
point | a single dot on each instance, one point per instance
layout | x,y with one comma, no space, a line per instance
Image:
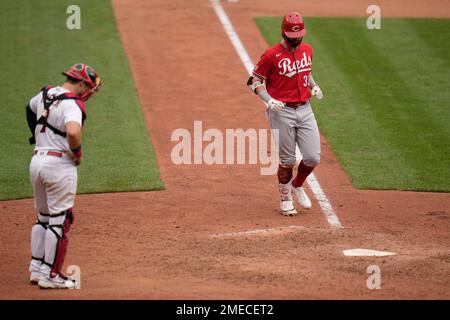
55,117
282,78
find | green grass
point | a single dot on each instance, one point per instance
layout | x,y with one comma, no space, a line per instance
35,46
386,111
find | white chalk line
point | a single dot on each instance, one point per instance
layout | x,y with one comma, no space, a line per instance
323,201
256,232
312,181
234,38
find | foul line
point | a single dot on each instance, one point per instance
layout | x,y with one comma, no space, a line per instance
313,183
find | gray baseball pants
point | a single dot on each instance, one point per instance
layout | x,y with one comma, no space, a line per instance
297,126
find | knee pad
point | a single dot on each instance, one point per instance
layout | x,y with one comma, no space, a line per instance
284,173
57,240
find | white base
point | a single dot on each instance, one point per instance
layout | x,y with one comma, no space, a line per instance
366,253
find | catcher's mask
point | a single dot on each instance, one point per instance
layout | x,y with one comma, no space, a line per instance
293,28
87,74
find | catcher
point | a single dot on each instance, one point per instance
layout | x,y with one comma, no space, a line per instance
55,117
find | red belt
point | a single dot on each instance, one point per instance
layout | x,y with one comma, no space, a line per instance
295,104
51,153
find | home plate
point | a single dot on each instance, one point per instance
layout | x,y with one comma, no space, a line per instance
366,253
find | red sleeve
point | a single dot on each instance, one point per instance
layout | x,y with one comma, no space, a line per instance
264,66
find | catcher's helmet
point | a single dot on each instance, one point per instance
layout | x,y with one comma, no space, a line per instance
293,25
81,71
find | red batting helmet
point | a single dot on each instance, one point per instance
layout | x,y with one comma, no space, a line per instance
293,25
81,71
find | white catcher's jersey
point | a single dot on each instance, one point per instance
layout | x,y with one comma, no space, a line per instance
60,113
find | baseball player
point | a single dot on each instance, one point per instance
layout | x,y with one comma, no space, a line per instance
283,80
55,117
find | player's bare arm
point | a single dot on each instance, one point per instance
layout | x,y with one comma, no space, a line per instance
73,130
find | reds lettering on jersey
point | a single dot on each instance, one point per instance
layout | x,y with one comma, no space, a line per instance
286,73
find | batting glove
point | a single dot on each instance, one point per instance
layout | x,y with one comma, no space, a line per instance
317,92
275,105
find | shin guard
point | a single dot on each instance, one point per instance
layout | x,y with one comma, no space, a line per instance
57,241
38,241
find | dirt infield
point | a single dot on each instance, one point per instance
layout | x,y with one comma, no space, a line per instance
160,245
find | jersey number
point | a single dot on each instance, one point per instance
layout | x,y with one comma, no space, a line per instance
306,81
